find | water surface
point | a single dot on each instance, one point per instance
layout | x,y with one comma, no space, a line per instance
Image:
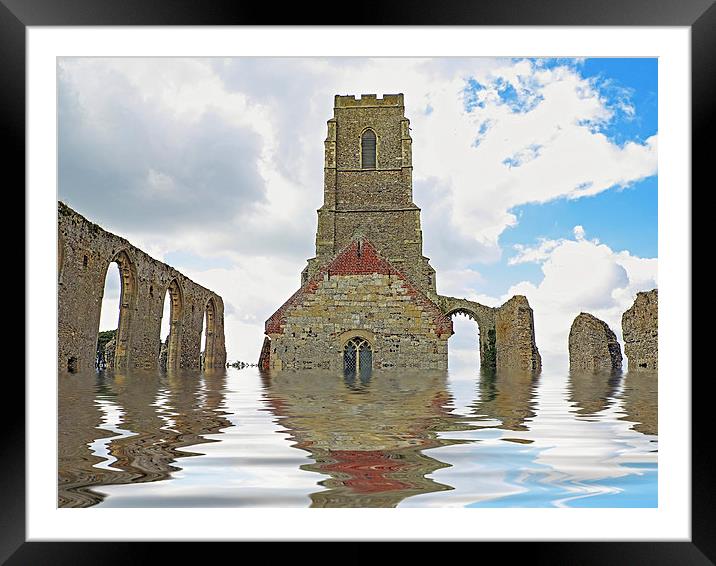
243,438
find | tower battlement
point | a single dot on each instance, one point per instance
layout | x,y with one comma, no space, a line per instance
368,100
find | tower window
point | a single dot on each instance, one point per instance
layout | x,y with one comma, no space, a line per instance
368,149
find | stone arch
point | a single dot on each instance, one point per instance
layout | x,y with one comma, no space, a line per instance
486,332
127,301
209,354
367,335
176,308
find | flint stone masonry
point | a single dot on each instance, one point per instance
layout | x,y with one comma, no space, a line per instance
640,329
375,203
85,252
369,278
593,347
514,337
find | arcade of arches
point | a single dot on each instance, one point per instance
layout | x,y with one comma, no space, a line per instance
85,252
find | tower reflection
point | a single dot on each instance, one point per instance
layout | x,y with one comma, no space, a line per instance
367,432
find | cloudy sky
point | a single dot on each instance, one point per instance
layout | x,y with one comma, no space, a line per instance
535,176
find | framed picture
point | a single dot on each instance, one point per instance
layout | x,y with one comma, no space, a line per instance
94,138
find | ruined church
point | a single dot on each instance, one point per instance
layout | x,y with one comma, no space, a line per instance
368,299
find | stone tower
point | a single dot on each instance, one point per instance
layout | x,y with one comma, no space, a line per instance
368,298
364,299
368,187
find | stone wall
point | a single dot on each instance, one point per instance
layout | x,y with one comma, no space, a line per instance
640,329
359,294
85,252
515,337
593,347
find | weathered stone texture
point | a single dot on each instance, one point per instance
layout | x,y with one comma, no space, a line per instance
359,294
593,346
377,203
265,356
108,353
515,337
85,252
640,329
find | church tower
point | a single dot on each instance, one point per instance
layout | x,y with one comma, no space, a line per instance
367,298
368,187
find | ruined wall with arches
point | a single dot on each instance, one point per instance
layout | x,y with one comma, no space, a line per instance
507,334
85,253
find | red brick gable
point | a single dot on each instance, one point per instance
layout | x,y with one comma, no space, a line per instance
358,258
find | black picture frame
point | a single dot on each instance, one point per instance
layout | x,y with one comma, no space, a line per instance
698,15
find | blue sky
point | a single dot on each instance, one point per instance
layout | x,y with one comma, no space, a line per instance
534,176
622,218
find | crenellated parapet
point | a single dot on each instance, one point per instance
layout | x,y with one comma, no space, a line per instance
85,252
368,101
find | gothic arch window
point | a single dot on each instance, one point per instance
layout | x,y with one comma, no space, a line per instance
357,356
368,149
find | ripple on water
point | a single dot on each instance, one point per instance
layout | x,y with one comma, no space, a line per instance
241,438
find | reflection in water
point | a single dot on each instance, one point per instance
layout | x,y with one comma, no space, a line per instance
507,399
111,420
381,439
151,416
367,432
593,392
640,398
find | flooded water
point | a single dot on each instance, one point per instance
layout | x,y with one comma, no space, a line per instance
241,438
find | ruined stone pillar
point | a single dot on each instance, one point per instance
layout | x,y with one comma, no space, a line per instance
593,347
640,328
515,337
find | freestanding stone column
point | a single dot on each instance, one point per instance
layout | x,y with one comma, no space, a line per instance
593,347
515,336
640,327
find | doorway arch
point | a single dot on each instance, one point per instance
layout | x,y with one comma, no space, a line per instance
127,299
485,335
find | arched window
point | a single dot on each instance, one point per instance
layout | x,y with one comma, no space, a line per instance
368,150
357,356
